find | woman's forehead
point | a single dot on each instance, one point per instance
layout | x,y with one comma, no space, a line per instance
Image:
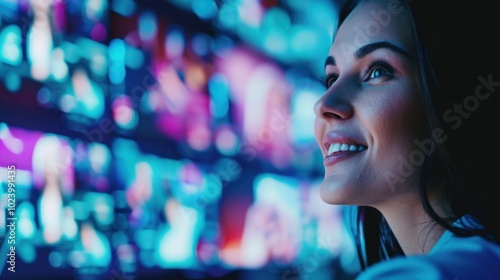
374,21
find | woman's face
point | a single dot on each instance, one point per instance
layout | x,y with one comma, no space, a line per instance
370,117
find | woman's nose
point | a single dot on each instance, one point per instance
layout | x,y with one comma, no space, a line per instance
333,105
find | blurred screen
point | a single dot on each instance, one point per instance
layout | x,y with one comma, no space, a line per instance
168,139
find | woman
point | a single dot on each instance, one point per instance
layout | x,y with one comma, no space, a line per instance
406,128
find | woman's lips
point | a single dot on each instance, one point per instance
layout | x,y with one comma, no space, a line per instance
339,156
339,146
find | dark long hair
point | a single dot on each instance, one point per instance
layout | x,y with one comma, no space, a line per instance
457,68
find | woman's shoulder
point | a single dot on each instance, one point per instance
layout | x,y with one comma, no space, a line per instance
452,258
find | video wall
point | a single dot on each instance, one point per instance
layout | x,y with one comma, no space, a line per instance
164,138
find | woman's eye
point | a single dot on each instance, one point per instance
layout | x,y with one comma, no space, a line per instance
329,80
377,71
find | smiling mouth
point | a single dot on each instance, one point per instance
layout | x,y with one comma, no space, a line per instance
343,147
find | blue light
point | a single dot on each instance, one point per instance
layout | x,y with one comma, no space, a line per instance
9,9
200,44
175,42
205,9
219,94
296,4
221,44
124,7
56,259
228,16
147,26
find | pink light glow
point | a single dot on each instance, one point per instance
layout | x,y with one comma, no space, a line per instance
98,32
59,8
261,99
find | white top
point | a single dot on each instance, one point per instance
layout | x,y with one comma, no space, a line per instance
452,258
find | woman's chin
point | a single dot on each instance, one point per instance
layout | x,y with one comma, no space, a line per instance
334,192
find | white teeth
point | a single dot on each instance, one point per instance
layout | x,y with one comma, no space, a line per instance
336,147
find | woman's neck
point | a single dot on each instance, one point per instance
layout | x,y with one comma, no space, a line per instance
415,230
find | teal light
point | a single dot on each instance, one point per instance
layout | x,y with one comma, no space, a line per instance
175,245
145,239
117,61
12,82
218,87
10,45
119,238
117,50
306,42
305,96
228,16
91,102
120,199
27,252
102,205
96,53
59,67
274,31
97,253
147,26
205,9
117,74
103,254
171,169
275,42
56,259
126,153
124,7
297,4
80,210
147,258
277,18
72,53
26,214
134,58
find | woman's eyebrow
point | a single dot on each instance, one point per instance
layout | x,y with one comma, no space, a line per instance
329,61
366,49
